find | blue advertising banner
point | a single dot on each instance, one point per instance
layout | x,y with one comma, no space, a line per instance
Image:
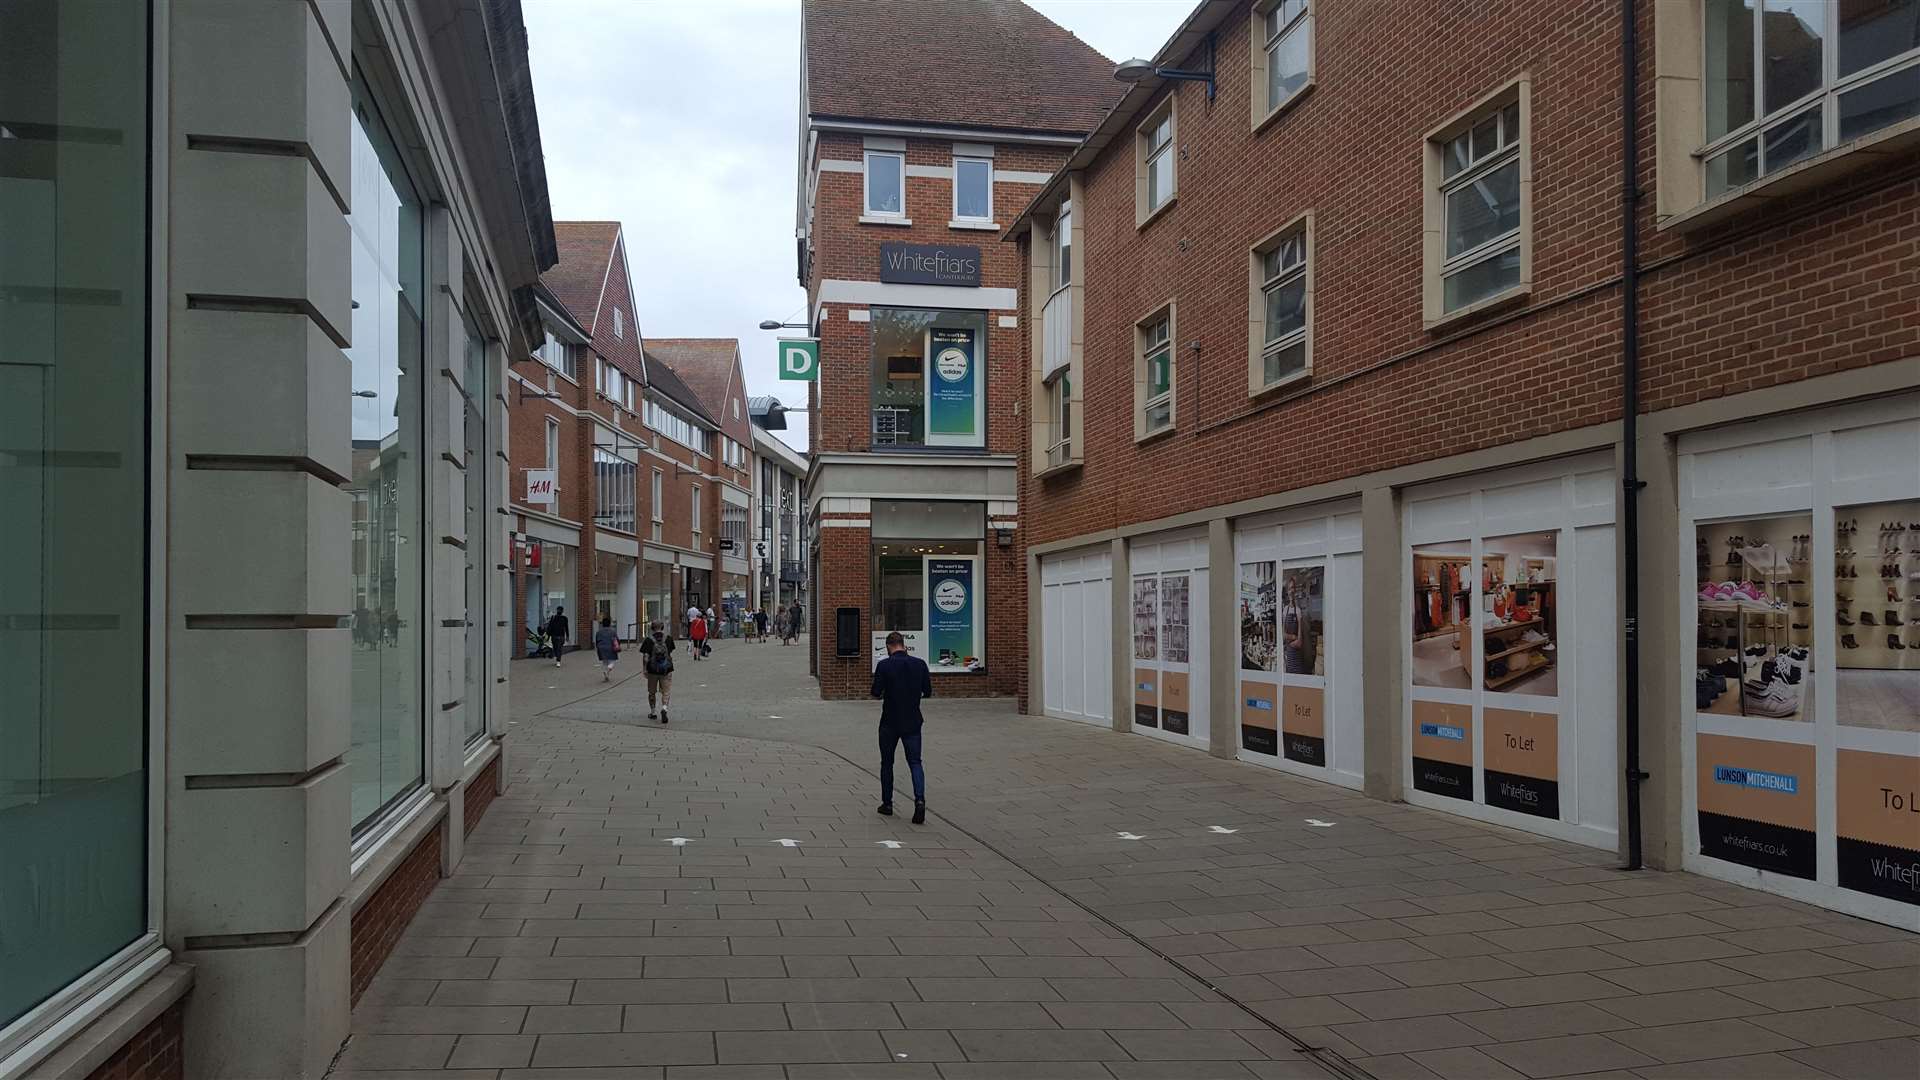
952,376
950,615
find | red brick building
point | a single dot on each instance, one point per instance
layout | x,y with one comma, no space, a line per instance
710,370
926,127
1326,455
640,470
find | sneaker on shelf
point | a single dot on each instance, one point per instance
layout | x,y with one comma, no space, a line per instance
1776,699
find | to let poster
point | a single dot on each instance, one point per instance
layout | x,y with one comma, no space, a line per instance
952,375
950,615
1756,803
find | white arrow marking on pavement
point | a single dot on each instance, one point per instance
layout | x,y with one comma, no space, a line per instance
783,842
772,717
1221,829
1129,836
888,843
1318,824
679,841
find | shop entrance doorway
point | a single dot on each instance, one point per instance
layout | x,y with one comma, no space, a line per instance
1170,657
1513,633
1076,628
1300,661
1801,655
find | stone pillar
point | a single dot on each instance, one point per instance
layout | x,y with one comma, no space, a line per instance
1223,628
1383,629
255,161
1122,658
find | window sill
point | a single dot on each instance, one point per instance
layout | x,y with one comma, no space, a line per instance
884,219
978,226
1284,107
1513,297
1060,469
1282,383
1155,435
1157,212
1821,169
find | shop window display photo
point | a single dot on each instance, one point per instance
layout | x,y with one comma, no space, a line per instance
1754,633
1442,614
1518,614
1146,646
1259,640
1876,566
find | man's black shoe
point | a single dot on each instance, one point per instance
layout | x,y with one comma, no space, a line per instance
886,809
919,813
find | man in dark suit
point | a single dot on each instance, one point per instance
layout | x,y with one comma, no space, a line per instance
900,681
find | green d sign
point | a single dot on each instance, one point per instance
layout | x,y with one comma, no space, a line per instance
800,359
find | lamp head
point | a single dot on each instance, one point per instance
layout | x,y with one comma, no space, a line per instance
1132,71
769,324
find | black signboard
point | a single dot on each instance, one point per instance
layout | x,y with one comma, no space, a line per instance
930,264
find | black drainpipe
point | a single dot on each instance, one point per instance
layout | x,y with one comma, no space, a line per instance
1630,409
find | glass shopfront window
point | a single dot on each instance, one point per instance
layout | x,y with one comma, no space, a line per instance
475,383
73,554
929,582
389,290
929,378
656,590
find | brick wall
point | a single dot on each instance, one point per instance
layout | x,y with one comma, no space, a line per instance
378,923
479,795
153,1054
1811,284
845,249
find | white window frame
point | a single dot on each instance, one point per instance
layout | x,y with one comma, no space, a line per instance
693,513
619,324
1259,347
866,184
553,445
1438,265
1826,98
1267,41
657,492
1144,351
960,161
1146,154
1059,397
1061,241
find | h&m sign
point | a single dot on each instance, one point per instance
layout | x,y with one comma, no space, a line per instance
540,486
930,264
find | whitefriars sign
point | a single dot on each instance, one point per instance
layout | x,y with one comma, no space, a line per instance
930,264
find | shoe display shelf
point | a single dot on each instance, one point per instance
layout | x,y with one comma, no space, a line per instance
1733,626
1884,584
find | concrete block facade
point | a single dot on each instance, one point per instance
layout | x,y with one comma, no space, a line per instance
274,890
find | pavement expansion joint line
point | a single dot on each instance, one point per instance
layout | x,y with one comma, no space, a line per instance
1326,1057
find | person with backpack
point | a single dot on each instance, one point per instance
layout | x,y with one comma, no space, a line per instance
656,654
606,645
697,633
557,633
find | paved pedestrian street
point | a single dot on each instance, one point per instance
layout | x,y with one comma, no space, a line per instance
717,899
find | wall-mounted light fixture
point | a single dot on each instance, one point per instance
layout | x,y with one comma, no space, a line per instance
1136,69
1003,536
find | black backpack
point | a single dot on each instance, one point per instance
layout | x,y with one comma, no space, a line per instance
659,656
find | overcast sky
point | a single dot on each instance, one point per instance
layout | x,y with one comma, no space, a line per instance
679,118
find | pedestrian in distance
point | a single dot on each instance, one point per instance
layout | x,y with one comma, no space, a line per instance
697,634
557,633
714,629
760,624
693,612
656,656
900,681
793,622
606,645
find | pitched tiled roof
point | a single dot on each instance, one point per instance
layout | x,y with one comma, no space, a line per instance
662,377
705,364
585,248
960,63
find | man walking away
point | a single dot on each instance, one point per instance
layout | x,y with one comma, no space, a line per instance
760,624
900,681
693,612
793,622
656,656
697,633
606,645
557,633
